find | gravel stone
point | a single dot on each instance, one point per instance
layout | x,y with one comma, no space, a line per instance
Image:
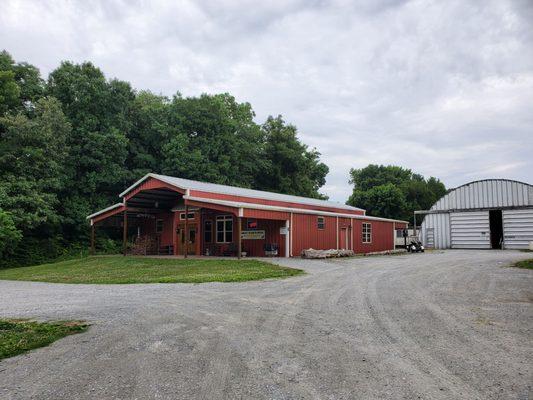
450,324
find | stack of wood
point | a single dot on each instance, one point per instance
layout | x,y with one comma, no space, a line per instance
144,245
332,253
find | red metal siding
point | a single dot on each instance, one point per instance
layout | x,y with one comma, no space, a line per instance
149,184
217,207
166,236
307,235
382,236
241,199
263,214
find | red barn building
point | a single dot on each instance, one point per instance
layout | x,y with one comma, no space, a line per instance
167,215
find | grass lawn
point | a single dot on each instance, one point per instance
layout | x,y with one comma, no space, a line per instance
527,264
120,269
17,336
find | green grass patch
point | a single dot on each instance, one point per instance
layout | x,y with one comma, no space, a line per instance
19,336
527,264
120,269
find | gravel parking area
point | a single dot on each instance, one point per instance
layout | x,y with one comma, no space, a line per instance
439,325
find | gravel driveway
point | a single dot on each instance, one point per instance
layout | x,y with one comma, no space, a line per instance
441,325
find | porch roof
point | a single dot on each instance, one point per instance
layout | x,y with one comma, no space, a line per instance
104,210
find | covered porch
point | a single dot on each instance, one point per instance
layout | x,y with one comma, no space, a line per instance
157,219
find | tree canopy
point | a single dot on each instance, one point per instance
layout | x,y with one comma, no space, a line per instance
71,142
392,191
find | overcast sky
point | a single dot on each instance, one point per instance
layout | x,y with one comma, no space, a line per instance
444,87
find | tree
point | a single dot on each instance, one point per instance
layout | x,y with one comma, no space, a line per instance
216,140
32,152
290,167
149,133
9,235
98,111
382,200
20,85
69,144
9,91
373,190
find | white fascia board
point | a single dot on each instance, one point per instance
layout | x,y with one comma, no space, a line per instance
105,210
241,205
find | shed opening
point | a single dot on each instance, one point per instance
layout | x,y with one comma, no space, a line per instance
496,229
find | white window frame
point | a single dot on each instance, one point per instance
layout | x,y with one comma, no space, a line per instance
318,223
224,219
190,216
367,233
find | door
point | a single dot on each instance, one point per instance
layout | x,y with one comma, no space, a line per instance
343,244
470,230
517,228
187,238
191,249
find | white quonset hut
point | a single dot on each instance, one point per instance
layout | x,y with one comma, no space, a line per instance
486,214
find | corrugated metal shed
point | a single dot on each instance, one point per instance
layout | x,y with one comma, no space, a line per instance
488,193
460,219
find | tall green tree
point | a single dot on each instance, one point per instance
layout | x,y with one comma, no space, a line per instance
21,85
215,140
98,111
32,171
290,166
392,191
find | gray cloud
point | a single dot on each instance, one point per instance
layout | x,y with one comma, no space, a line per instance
444,88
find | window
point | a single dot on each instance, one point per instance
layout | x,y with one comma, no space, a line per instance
158,225
224,229
367,232
189,216
321,222
208,231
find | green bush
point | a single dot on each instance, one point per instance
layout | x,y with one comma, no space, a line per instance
9,235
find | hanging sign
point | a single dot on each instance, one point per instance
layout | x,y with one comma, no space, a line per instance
252,235
251,224
283,230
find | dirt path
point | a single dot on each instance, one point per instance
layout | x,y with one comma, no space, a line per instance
443,325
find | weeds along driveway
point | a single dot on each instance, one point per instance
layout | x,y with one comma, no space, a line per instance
442,325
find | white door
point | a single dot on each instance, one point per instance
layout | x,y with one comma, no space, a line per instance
470,230
517,228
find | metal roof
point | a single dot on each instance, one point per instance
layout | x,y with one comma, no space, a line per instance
487,193
238,204
238,191
105,210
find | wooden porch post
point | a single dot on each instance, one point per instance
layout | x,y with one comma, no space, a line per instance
239,238
125,232
186,234
93,228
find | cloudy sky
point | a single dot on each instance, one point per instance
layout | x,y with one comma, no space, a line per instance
442,87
